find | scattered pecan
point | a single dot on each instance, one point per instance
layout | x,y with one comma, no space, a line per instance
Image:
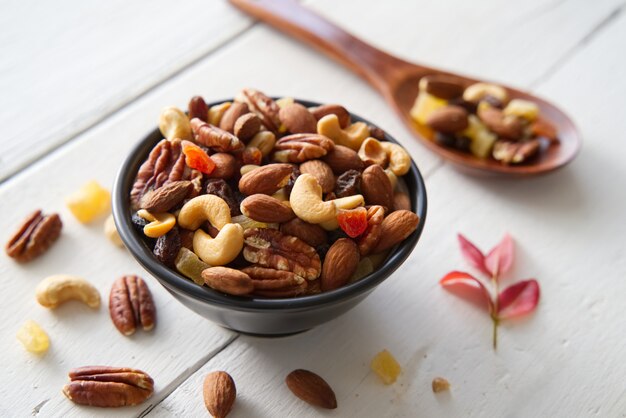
198,109
368,241
214,137
271,248
298,148
131,305
348,184
165,198
264,107
269,282
510,152
108,387
34,237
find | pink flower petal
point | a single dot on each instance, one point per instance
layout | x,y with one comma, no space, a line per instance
467,287
518,299
500,258
472,254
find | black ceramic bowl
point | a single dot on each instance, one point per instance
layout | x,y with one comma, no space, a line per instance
256,315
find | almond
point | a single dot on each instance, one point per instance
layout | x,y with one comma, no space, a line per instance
443,86
266,179
376,187
219,393
297,119
510,127
227,280
341,159
311,388
340,264
166,197
332,109
264,208
401,201
314,235
247,126
322,172
236,110
448,120
395,228
225,166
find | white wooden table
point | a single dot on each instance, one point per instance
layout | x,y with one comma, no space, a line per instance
81,82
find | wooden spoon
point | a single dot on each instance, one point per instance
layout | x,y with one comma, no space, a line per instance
397,80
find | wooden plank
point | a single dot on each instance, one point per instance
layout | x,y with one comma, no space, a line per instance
67,66
565,360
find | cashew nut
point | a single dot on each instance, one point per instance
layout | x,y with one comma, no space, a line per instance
345,203
306,201
351,137
372,152
173,123
399,159
478,91
160,223
264,141
222,249
206,207
54,290
216,112
523,109
111,232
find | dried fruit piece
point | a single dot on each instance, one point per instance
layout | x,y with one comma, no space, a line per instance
196,158
219,393
440,384
386,367
167,247
482,138
364,268
311,388
190,265
425,104
348,184
33,337
34,237
220,188
89,202
353,222
248,223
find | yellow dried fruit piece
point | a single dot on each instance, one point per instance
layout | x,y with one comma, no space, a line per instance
386,367
482,138
247,223
89,202
364,268
190,265
33,337
522,108
425,104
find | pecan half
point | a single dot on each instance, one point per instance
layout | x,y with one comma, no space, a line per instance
165,198
269,282
214,137
298,148
271,248
509,152
131,305
108,387
33,238
264,107
369,240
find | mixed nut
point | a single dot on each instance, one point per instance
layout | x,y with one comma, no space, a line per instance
269,198
481,119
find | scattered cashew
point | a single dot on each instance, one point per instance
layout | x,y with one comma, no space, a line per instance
372,152
264,141
399,159
345,203
160,223
55,290
351,137
222,249
216,112
206,207
111,232
306,201
478,91
173,123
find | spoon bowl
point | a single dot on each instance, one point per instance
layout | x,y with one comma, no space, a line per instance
398,82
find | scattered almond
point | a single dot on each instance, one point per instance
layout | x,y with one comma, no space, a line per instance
219,393
311,388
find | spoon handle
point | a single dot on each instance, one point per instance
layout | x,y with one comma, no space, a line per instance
380,69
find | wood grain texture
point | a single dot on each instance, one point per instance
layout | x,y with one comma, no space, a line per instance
66,66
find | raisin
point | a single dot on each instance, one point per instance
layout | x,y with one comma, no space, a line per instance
292,179
463,143
322,250
220,188
348,183
493,101
167,247
469,106
445,140
138,222
377,133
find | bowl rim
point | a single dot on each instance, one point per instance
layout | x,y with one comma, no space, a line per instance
171,279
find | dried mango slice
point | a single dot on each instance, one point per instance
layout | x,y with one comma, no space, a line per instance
386,367
425,104
188,264
33,337
89,202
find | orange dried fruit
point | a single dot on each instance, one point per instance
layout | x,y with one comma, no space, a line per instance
353,222
197,158
89,202
33,337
